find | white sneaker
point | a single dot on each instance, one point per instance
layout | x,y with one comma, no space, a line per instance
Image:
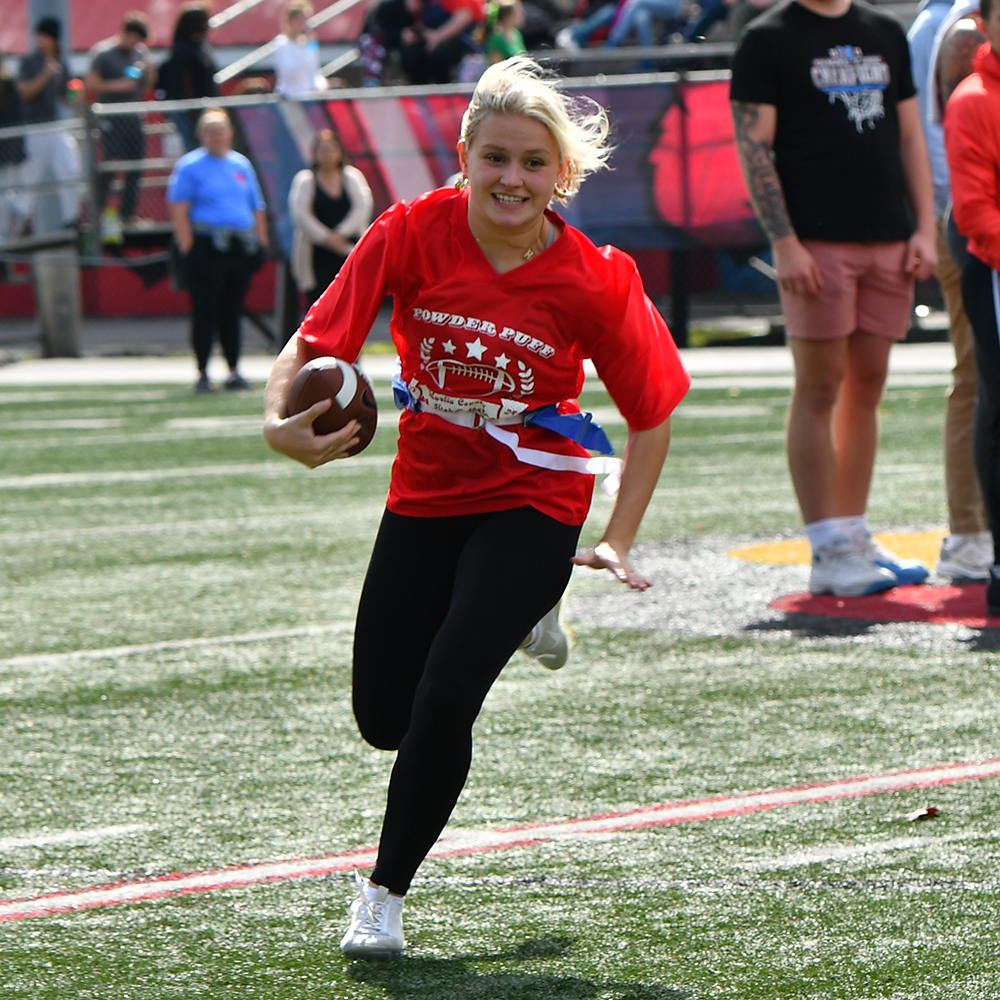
376,929
839,569
550,641
966,557
566,41
906,571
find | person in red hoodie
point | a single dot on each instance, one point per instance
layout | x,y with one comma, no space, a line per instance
972,140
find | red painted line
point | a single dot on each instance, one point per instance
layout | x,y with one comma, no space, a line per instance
474,842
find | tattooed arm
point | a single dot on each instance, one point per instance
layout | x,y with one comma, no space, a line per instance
955,58
755,126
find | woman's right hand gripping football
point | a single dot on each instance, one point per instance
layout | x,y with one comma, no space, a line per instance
294,436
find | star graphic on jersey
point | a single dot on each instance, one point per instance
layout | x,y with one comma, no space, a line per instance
502,361
449,347
476,349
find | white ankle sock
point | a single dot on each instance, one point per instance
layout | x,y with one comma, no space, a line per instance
822,533
854,525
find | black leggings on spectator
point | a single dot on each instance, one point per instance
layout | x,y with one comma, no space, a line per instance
122,139
981,295
217,283
446,602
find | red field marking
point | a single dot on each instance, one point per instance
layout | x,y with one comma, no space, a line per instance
475,842
938,605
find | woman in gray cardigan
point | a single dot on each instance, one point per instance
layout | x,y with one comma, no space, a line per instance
331,206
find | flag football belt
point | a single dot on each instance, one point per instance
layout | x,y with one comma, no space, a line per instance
578,427
222,237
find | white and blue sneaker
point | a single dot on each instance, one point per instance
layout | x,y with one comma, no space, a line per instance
376,929
839,569
906,571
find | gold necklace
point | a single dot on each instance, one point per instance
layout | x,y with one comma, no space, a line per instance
530,251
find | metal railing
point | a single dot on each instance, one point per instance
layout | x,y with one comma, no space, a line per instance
232,12
252,58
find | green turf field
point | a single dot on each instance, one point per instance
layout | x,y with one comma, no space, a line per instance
212,585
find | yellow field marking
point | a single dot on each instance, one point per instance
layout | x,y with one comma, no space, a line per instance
791,551
922,545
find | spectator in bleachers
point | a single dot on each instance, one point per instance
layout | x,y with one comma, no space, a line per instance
11,157
435,45
596,18
188,73
296,58
710,13
331,206
42,82
382,36
505,39
645,20
121,72
220,225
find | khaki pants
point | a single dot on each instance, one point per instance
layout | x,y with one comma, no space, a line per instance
965,503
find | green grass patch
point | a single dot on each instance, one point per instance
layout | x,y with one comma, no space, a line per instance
133,516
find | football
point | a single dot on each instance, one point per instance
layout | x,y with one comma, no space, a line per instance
349,388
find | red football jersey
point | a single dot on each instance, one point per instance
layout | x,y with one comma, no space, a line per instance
495,344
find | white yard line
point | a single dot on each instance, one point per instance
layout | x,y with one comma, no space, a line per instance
115,652
823,854
71,836
271,469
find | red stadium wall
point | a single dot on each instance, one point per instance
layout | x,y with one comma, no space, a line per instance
117,292
92,22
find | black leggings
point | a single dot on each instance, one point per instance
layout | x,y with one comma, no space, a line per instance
217,283
981,295
446,602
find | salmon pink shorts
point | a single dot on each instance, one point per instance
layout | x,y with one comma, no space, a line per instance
864,288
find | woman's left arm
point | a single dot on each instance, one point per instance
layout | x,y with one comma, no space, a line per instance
359,194
258,206
644,457
260,219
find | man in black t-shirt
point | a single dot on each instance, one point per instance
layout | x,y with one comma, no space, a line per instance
830,142
121,72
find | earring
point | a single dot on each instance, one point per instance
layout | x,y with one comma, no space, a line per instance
462,182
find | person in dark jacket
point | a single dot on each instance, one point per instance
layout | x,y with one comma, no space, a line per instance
189,71
11,156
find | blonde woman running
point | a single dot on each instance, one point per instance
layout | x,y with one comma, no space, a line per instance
497,302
